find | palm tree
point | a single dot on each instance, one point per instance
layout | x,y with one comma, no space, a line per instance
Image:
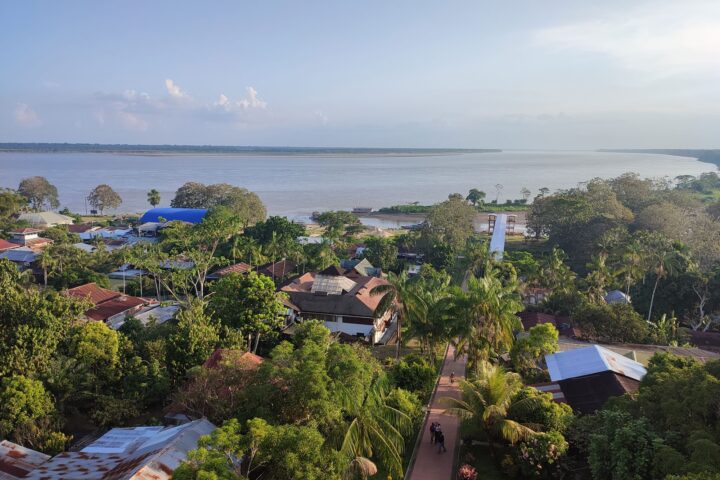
429,318
632,265
487,402
598,278
376,430
664,262
397,297
153,197
46,262
487,311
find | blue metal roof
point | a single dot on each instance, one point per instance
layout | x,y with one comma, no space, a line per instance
191,215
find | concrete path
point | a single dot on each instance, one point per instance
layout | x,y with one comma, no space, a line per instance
429,464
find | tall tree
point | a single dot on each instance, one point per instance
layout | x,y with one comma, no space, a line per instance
11,202
246,205
376,430
195,337
39,193
450,222
153,197
397,297
487,315
475,196
248,303
103,196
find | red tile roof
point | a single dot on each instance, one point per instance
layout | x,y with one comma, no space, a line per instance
92,292
5,245
24,231
246,359
115,306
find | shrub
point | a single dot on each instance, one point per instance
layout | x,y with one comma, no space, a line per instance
415,374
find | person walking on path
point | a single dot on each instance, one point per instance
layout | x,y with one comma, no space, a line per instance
452,377
433,429
440,440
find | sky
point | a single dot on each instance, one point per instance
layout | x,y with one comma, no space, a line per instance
561,74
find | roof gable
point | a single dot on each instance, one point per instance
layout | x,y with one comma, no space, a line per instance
92,292
591,360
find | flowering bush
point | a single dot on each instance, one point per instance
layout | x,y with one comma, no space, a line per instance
467,472
538,457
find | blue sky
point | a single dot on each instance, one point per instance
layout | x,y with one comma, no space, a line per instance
406,73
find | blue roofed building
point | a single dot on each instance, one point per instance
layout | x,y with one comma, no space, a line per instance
190,215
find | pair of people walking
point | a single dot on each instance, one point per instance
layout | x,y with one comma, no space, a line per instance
437,436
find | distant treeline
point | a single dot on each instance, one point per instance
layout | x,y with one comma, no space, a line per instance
709,156
219,149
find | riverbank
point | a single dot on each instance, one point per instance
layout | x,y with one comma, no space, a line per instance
415,218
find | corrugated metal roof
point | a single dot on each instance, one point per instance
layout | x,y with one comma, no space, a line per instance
92,292
128,454
5,245
46,219
590,360
17,461
19,255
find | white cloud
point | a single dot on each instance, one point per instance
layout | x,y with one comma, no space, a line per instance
25,116
663,39
132,121
138,111
252,100
320,117
174,89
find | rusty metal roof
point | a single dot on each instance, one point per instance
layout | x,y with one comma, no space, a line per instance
17,461
139,453
92,292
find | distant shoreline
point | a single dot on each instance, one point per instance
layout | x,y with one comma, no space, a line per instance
711,156
190,150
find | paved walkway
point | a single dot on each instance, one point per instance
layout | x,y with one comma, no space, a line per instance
429,464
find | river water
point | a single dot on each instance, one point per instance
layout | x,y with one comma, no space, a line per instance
295,185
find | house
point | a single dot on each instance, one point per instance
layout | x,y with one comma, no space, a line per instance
278,270
23,257
247,360
154,314
28,237
552,388
5,245
17,461
109,306
241,267
161,215
534,295
136,453
343,303
82,228
531,319
616,296
45,219
589,376
563,324
111,233
362,268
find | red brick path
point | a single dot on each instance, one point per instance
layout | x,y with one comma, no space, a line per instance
429,464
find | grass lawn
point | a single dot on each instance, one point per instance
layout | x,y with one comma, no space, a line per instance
479,457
